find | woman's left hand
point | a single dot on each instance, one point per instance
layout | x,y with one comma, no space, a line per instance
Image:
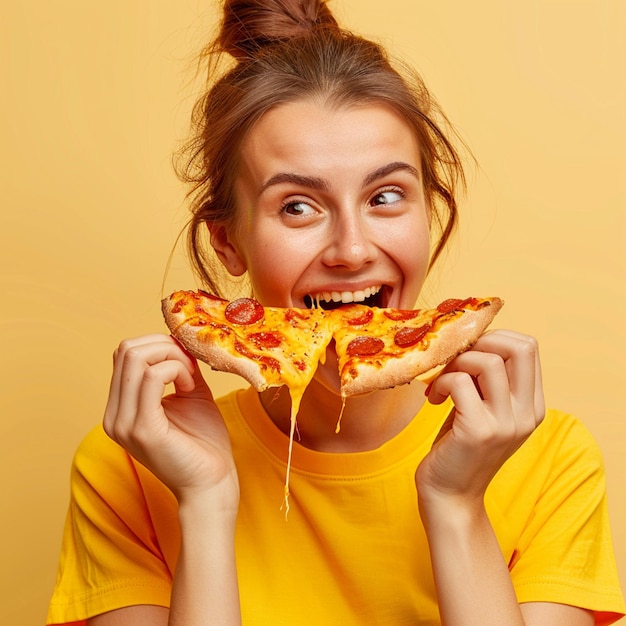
498,397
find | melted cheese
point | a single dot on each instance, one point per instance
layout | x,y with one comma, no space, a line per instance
296,397
343,407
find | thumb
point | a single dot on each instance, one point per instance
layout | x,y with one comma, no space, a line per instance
195,386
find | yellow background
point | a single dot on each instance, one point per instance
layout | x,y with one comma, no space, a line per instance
95,96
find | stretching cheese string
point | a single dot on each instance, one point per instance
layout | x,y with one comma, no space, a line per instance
343,406
296,397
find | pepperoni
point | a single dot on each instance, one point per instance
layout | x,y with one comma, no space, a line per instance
178,307
265,339
406,337
244,311
365,346
400,315
363,316
453,304
267,362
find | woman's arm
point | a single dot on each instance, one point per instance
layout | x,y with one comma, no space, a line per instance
472,579
183,440
497,392
205,589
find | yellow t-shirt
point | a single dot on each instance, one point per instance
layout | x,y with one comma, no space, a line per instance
353,550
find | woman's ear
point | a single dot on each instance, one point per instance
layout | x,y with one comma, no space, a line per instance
226,251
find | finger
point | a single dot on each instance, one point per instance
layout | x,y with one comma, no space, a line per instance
540,405
460,387
149,413
489,376
118,365
133,358
521,357
200,386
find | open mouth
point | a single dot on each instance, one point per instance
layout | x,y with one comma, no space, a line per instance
371,296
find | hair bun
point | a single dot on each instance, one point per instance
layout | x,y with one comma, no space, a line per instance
250,25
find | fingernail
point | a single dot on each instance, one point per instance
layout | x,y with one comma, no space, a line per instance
427,390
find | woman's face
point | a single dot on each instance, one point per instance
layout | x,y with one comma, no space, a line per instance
331,207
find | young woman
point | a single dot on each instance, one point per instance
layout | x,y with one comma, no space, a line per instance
317,168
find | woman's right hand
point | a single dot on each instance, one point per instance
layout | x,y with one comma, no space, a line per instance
181,437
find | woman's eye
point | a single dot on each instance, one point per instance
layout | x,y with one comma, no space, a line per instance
387,197
298,209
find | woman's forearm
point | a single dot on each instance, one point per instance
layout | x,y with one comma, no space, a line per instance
471,577
205,590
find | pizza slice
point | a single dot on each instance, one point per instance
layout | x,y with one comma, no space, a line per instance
268,346
381,348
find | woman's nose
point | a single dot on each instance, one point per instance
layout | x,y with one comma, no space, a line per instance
351,243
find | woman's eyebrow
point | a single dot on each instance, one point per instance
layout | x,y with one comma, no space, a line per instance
312,182
383,171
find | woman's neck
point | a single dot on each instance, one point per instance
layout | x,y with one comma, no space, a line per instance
364,423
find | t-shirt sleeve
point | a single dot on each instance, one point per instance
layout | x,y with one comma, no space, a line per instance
110,555
565,553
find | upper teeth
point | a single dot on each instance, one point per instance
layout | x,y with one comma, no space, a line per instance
346,296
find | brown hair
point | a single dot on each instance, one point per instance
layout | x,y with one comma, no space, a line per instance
284,51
